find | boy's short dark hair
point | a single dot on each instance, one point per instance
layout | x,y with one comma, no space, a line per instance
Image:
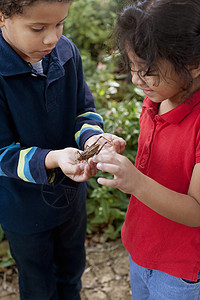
11,7
161,29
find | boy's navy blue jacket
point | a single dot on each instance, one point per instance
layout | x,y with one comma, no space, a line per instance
38,113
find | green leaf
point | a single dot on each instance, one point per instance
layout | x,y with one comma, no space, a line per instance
1,234
7,262
111,232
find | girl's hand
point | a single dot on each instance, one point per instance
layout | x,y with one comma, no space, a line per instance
126,176
66,160
178,207
118,144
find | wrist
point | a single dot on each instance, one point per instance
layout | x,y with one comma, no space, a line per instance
51,159
139,184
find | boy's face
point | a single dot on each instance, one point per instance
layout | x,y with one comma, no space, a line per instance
35,33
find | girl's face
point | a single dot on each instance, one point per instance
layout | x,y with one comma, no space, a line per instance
35,33
165,84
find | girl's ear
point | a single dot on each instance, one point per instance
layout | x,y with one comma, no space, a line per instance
195,72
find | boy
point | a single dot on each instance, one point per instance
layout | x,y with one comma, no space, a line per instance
46,110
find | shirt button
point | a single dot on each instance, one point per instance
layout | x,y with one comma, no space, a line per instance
143,161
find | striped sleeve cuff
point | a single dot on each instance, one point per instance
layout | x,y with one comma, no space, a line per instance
92,123
25,164
86,128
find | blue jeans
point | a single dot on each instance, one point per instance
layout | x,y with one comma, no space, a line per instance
51,263
149,284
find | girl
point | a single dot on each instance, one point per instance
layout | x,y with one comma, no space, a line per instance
160,41
46,110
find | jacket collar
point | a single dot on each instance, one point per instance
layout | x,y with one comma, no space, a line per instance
12,64
177,114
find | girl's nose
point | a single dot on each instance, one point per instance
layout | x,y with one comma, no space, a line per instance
136,78
51,38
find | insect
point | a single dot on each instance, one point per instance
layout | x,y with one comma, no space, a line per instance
92,149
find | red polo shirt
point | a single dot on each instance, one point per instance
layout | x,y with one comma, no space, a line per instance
168,149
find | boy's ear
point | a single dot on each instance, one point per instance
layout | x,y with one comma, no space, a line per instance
195,72
2,20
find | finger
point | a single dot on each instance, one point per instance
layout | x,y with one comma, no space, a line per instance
71,169
108,168
119,145
91,161
105,156
106,182
91,164
117,138
90,170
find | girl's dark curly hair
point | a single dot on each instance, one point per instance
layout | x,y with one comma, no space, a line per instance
11,7
161,29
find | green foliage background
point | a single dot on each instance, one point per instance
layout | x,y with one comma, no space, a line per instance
90,26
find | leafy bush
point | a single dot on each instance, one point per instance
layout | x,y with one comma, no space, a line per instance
105,209
6,259
90,24
121,118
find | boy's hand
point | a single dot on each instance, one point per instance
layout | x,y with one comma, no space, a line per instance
118,144
66,160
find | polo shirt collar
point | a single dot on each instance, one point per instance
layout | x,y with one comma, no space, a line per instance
10,62
177,114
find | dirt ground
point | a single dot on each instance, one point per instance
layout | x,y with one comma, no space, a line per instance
106,275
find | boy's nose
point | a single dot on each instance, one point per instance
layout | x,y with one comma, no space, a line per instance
51,38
